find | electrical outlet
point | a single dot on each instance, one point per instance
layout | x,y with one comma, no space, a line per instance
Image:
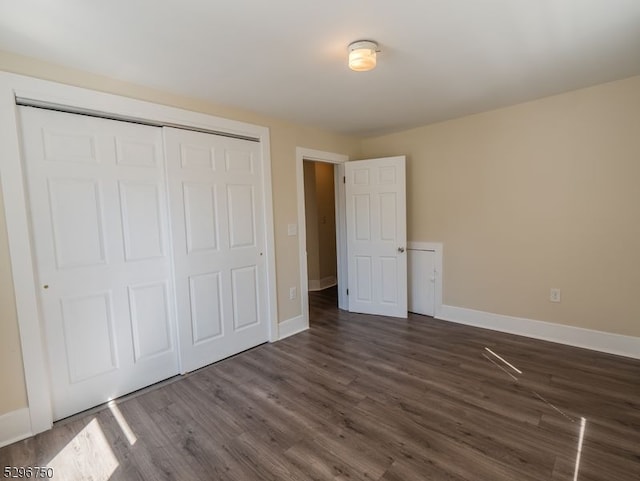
554,295
292,293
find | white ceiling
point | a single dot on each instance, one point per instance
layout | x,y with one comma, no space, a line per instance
440,59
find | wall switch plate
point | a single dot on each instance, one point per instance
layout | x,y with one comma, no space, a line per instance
554,295
293,292
292,229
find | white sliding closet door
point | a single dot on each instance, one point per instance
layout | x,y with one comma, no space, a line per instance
217,214
102,254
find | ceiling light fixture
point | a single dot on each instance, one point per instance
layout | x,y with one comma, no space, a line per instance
362,55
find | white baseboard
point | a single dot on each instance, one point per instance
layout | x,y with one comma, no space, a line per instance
611,343
14,426
318,285
292,326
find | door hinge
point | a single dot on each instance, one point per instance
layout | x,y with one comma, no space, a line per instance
344,180
347,291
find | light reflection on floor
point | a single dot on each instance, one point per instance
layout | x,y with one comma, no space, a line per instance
122,422
503,365
583,426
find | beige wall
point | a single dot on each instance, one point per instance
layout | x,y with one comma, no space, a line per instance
285,137
325,195
539,195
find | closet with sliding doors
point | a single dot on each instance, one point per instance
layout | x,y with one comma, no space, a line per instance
148,247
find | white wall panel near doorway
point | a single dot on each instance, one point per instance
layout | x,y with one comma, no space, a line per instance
217,214
425,277
421,265
101,237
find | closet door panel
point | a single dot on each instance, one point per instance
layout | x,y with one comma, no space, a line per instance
97,197
215,190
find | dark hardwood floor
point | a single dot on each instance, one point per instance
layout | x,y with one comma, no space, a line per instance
367,398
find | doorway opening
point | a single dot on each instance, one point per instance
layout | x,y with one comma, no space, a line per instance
320,225
326,169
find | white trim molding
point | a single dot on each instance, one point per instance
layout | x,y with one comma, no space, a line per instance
42,92
293,326
611,343
14,426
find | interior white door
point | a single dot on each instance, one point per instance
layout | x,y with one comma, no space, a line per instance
217,214
376,236
100,230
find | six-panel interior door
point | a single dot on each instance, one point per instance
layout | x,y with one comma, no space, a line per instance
376,236
102,255
217,214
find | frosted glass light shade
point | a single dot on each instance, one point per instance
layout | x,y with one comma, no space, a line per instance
362,55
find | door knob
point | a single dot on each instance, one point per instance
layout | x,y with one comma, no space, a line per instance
400,250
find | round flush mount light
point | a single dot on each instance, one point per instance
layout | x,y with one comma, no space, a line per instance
362,55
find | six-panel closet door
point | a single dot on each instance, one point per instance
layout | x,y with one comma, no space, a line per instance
100,230
217,214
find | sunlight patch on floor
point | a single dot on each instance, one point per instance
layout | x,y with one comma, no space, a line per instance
87,456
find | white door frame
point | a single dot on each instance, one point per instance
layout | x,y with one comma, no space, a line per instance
303,154
47,93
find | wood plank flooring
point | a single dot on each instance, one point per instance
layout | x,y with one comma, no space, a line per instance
366,398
